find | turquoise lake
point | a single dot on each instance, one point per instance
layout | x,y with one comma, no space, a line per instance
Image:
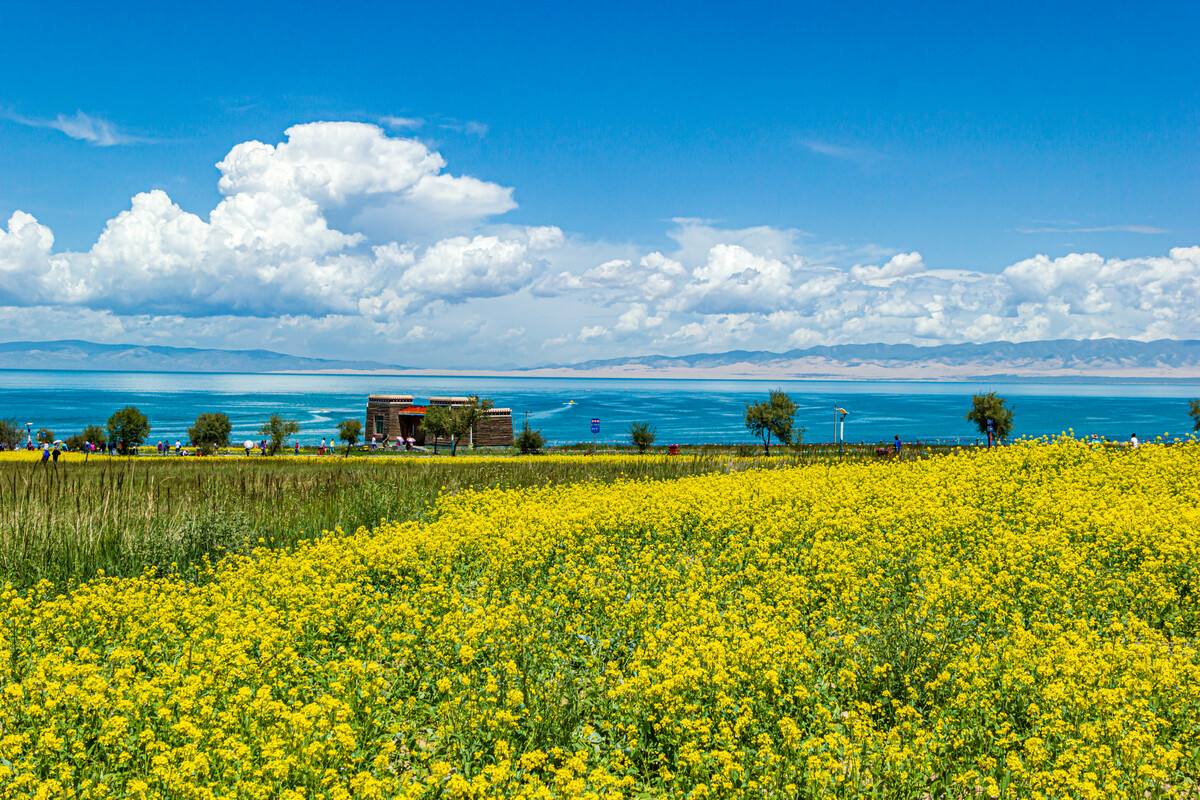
684,411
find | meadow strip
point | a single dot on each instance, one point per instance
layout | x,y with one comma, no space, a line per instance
69,520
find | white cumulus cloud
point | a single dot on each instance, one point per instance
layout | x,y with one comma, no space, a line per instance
342,235
269,247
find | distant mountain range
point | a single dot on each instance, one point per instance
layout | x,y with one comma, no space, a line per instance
81,355
1053,358
1061,358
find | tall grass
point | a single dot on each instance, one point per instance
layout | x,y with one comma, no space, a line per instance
121,516
67,522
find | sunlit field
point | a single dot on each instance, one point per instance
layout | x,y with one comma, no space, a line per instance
66,520
1016,623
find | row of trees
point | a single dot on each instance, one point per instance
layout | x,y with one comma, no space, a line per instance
128,429
441,423
211,432
125,430
770,421
529,441
773,418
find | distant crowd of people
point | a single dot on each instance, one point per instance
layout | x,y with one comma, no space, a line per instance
51,451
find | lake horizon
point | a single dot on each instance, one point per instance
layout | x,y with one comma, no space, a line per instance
684,410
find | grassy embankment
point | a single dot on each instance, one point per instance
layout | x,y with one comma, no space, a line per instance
121,515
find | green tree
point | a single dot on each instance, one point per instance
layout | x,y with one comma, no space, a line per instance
991,406
210,431
642,434
277,430
530,441
436,424
464,418
92,433
1194,412
11,434
44,436
128,428
772,417
348,431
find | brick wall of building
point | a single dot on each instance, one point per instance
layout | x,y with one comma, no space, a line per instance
383,415
495,429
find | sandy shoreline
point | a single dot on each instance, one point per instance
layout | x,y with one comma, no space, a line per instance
792,371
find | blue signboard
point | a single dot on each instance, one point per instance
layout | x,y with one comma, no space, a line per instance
595,425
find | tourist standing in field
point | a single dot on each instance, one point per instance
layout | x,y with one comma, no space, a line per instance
45,452
248,446
1133,441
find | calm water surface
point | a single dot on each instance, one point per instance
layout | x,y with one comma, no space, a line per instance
685,411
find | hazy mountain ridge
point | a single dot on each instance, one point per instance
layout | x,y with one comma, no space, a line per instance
1052,358
77,354
1068,356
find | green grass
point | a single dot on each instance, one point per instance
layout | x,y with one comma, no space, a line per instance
122,516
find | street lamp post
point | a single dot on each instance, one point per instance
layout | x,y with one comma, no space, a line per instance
839,427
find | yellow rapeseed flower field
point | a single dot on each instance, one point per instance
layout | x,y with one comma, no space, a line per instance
1020,623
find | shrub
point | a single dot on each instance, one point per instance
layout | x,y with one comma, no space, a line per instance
437,424
991,406
210,432
277,430
642,434
348,431
530,441
128,428
10,433
92,433
771,417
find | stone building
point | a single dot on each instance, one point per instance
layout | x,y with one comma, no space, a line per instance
395,417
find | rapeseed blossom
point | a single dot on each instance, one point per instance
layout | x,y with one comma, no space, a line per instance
1016,622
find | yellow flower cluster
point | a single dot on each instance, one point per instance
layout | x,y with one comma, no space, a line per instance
1018,622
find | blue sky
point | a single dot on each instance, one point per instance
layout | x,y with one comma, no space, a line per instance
978,137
